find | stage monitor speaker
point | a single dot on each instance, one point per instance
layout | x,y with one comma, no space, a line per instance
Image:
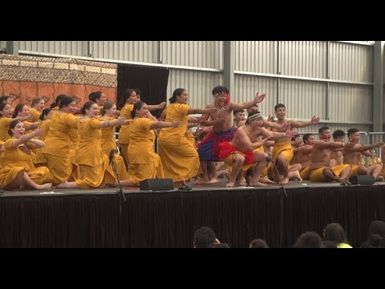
156,185
362,180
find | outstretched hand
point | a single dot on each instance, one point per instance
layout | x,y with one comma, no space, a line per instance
314,119
259,97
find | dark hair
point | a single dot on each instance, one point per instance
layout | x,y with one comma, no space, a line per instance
12,125
258,243
3,99
86,105
377,227
126,95
237,111
36,100
177,92
308,240
352,131
374,241
221,245
338,133
335,232
107,105
44,113
219,89
18,109
306,136
329,244
57,101
2,105
278,106
138,105
65,101
94,96
204,237
322,129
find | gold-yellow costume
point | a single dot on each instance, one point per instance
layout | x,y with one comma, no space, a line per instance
92,166
316,175
35,114
58,145
39,157
16,160
179,157
144,162
124,132
108,144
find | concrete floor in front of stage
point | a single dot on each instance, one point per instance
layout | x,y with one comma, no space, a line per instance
134,190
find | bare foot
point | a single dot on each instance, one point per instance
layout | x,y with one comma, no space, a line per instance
258,184
297,177
266,180
230,185
243,182
213,181
44,186
380,179
285,181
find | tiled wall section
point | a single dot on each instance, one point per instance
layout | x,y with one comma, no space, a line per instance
26,77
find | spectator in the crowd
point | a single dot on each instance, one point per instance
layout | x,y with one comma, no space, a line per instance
335,232
329,244
204,237
308,240
258,243
221,245
376,235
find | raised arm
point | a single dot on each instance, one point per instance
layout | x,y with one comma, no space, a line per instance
259,97
314,120
26,138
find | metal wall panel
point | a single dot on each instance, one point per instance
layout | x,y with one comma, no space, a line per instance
335,126
303,58
75,48
203,54
138,51
303,98
247,86
256,56
351,103
199,85
351,62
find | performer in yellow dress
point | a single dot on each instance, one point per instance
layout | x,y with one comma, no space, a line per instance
45,121
108,113
179,157
92,166
37,106
144,162
17,170
22,112
130,97
58,141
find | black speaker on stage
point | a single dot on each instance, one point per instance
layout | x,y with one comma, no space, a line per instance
362,180
156,185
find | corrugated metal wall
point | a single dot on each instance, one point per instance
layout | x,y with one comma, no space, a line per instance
138,51
206,54
75,48
3,45
279,68
351,62
303,98
198,83
256,56
303,58
247,86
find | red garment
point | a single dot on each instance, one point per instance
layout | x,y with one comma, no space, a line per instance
225,149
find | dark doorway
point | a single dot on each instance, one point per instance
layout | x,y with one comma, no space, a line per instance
151,81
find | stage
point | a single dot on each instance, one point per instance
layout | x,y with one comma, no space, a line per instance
168,219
